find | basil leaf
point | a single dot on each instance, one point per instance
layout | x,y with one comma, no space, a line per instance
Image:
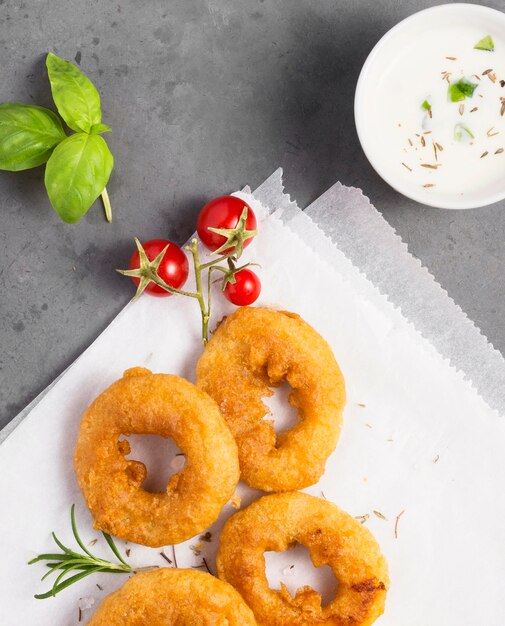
76,174
486,43
75,96
426,106
28,134
96,129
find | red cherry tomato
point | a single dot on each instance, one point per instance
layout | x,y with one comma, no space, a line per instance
173,268
223,212
245,290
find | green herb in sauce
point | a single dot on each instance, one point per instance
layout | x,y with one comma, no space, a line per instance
486,43
426,106
461,131
461,90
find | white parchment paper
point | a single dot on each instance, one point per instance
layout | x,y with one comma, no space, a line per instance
417,438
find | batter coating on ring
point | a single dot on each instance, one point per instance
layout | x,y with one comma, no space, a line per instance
277,522
252,351
173,597
146,403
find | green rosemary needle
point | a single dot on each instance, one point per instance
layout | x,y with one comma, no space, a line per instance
85,564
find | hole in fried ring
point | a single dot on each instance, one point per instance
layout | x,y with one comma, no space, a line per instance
173,596
276,522
285,569
145,403
281,415
253,350
160,456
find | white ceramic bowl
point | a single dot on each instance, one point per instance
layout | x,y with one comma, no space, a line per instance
377,64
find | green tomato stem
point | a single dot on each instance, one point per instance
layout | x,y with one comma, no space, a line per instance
204,309
161,283
209,286
106,205
223,257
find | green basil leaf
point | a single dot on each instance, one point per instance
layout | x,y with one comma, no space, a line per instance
28,135
76,174
75,96
96,129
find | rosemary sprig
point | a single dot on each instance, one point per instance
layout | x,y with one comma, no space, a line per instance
68,561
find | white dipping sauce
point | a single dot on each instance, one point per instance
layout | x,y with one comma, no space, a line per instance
416,74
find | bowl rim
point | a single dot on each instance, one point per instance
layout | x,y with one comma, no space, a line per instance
486,198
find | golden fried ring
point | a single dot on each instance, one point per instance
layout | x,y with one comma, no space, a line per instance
173,597
253,350
146,403
277,522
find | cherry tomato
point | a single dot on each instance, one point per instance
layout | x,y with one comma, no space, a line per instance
223,212
245,290
173,268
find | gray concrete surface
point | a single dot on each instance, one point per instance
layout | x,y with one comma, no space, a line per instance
203,96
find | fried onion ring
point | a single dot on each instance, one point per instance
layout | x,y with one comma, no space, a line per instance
173,597
277,522
253,350
145,403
